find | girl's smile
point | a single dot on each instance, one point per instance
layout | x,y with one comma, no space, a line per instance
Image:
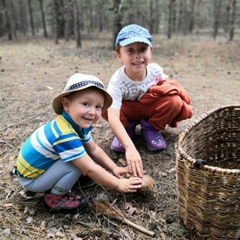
135,57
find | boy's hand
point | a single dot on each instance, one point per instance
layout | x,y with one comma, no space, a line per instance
119,171
134,162
129,185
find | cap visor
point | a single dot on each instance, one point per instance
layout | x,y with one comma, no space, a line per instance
133,40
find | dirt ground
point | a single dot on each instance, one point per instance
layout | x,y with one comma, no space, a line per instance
32,72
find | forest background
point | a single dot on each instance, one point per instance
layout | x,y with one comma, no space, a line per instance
42,43
67,19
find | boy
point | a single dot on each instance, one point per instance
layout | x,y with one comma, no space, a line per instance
142,94
55,155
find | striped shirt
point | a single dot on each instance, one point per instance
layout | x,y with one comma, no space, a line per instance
59,139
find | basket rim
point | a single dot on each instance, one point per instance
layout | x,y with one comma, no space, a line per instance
192,161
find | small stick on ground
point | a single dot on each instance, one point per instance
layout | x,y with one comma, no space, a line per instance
106,208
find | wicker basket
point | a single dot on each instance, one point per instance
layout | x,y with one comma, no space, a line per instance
208,175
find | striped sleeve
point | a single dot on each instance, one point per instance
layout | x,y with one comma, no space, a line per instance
67,142
69,147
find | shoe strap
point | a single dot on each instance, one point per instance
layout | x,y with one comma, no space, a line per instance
59,205
65,199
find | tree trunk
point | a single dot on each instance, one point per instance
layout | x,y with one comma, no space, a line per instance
180,16
174,16
170,13
151,17
14,19
227,17
77,24
131,12
100,15
117,8
198,19
67,17
192,16
157,11
22,17
43,18
7,18
217,14
184,18
232,19
31,17
55,21
60,18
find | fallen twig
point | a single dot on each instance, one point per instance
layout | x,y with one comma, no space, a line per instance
139,228
106,208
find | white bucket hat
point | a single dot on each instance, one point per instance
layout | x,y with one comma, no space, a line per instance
79,82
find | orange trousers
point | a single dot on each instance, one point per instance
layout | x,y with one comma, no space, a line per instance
160,111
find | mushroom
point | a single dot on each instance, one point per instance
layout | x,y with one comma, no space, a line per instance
147,183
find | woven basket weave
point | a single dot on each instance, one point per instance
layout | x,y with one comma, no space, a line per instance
208,175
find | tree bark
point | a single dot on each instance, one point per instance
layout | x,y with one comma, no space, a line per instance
43,19
117,8
151,17
192,16
174,17
184,18
170,19
180,16
198,19
55,21
14,20
157,11
77,25
22,17
8,21
217,14
31,17
67,17
232,19
100,15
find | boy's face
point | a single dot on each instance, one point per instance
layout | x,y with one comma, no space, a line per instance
135,57
85,106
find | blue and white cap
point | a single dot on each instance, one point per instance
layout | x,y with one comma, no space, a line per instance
133,33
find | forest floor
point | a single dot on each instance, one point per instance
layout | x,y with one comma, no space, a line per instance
33,71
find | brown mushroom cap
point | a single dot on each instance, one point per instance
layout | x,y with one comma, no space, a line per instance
147,183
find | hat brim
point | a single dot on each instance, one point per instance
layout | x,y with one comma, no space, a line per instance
128,41
57,101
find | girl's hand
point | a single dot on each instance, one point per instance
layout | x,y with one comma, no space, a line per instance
129,185
134,162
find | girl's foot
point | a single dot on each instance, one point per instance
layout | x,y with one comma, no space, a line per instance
153,138
116,146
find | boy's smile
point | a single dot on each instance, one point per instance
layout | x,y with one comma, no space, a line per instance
85,107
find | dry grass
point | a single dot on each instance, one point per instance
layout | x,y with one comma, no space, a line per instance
33,72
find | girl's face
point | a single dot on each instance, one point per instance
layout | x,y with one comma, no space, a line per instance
85,106
135,57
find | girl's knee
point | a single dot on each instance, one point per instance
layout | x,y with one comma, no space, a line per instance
175,103
178,101
105,115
